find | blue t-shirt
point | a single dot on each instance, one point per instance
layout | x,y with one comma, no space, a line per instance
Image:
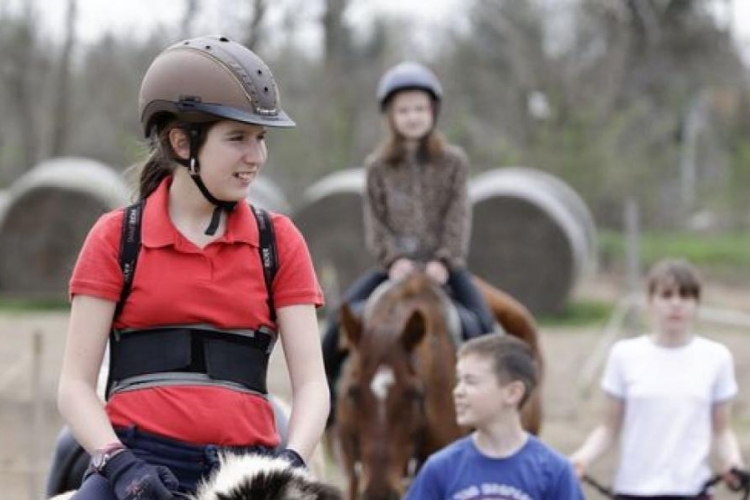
461,472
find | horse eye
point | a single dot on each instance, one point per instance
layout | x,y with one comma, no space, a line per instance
353,392
414,393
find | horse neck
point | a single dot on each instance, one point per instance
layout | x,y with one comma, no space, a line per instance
437,366
439,349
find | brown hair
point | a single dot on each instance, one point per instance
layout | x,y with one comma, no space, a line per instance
160,162
674,273
512,359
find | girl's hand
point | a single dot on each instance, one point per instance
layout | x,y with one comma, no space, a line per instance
400,268
736,478
437,271
579,467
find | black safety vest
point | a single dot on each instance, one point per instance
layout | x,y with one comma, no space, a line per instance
194,354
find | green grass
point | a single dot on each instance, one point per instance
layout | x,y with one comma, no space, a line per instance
579,313
29,305
730,250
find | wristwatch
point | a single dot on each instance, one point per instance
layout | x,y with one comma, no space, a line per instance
102,456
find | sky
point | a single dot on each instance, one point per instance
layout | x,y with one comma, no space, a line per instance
98,17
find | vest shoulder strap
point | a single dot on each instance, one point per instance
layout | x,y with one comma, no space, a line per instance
130,247
268,256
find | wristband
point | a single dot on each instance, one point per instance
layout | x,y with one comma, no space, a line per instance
291,456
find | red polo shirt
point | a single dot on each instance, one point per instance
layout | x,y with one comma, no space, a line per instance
178,283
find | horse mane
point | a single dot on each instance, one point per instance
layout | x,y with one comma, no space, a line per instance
262,477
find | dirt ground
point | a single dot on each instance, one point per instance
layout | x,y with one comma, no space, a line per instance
29,420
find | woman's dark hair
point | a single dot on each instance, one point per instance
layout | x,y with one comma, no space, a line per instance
160,162
674,273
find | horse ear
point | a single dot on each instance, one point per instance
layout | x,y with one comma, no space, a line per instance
351,326
414,331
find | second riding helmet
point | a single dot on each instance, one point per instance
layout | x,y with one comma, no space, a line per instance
408,76
209,78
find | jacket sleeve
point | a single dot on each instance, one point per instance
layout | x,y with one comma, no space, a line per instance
379,238
453,244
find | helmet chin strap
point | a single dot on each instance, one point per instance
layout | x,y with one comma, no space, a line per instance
194,169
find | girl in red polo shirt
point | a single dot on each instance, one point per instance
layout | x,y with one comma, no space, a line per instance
190,344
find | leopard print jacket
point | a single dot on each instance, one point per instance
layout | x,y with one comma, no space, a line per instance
418,210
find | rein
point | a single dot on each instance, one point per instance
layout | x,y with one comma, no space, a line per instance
742,475
604,490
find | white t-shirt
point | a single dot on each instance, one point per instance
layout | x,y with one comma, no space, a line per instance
668,393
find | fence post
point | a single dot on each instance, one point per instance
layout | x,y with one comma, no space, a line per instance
37,431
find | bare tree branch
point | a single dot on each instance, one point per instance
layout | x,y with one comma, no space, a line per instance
191,10
62,98
254,24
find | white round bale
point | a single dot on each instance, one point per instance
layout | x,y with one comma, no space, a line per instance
49,212
330,218
532,236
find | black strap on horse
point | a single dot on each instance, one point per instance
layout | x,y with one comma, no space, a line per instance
743,477
130,246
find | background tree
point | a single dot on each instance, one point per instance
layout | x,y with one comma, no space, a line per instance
619,98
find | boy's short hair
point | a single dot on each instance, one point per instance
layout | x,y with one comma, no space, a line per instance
512,359
674,273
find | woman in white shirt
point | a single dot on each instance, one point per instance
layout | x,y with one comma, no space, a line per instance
668,398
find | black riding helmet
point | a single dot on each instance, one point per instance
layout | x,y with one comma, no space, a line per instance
203,80
408,76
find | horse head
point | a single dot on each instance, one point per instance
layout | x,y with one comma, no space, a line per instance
394,395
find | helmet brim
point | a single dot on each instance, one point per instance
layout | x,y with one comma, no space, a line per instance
277,118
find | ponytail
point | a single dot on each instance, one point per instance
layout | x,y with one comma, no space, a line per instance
161,161
157,165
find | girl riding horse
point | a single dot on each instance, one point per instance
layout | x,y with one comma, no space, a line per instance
189,344
416,208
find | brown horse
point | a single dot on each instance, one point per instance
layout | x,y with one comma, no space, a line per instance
395,404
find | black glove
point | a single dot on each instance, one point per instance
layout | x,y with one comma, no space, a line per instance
133,479
291,456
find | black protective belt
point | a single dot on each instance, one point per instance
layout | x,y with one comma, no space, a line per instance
192,354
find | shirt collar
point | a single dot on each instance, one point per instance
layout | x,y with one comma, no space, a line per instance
159,231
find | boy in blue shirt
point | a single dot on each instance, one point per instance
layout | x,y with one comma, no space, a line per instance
499,460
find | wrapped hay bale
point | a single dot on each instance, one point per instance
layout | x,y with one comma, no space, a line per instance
266,194
330,217
49,211
532,236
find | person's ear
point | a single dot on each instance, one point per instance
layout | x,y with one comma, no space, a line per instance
180,143
517,391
